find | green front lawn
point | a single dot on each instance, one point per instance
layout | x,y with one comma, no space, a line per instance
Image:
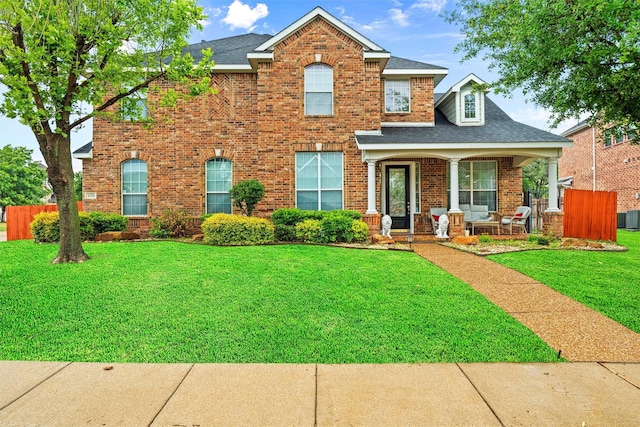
608,282
176,302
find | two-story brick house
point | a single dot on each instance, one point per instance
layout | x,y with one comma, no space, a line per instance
600,163
325,118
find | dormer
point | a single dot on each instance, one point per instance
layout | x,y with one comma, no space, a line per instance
462,104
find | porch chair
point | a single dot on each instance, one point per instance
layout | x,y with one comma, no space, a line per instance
519,219
435,213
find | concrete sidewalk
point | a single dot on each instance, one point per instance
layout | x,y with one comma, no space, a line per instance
562,394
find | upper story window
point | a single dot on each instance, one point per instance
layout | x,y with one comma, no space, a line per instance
470,107
397,96
134,188
134,106
318,90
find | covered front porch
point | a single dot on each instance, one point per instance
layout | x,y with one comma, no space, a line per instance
408,184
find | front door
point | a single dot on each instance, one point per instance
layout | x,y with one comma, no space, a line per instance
398,195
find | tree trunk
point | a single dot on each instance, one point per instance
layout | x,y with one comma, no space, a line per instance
57,153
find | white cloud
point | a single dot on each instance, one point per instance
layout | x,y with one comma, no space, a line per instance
399,17
242,15
430,5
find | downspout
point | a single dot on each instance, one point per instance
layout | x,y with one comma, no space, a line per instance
593,149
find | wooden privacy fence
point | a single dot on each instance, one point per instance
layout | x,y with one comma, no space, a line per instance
20,217
590,214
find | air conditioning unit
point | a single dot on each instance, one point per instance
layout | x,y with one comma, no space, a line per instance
632,220
622,220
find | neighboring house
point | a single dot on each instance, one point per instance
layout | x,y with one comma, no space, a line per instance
326,119
601,164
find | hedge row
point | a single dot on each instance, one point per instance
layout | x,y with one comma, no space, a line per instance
45,226
225,229
319,226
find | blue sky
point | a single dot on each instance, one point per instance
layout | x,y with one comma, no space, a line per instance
412,29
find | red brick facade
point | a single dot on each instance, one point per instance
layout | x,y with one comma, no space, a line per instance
617,166
257,121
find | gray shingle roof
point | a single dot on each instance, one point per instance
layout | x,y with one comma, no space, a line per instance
396,63
498,127
85,149
230,50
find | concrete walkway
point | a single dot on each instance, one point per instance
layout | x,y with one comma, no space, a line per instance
499,394
579,333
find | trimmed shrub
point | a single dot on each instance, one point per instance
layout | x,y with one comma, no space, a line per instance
235,230
172,223
288,216
360,231
284,233
309,231
103,222
336,227
45,227
246,195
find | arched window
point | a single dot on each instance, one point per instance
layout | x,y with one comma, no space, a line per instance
218,186
134,188
318,90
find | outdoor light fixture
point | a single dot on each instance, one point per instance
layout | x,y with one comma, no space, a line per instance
410,239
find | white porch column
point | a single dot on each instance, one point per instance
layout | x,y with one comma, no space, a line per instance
371,187
553,186
453,182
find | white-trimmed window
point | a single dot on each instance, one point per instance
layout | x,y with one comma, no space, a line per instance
218,186
319,180
134,106
134,188
397,96
470,104
318,90
477,183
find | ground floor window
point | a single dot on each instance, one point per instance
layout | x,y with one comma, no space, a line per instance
319,180
134,188
477,183
218,186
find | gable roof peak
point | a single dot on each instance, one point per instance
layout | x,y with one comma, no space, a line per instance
366,43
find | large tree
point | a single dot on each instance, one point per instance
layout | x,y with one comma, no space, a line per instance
58,56
22,181
535,178
573,57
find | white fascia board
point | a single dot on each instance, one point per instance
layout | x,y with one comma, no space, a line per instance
456,146
374,55
368,132
88,155
231,68
318,11
412,72
575,129
408,124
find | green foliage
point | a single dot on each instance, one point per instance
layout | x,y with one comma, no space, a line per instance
172,223
574,58
535,178
58,57
235,230
309,231
46,225
539,239
483,238
103,222
21,179
77,185
336,228
246,195
284,233
359,231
